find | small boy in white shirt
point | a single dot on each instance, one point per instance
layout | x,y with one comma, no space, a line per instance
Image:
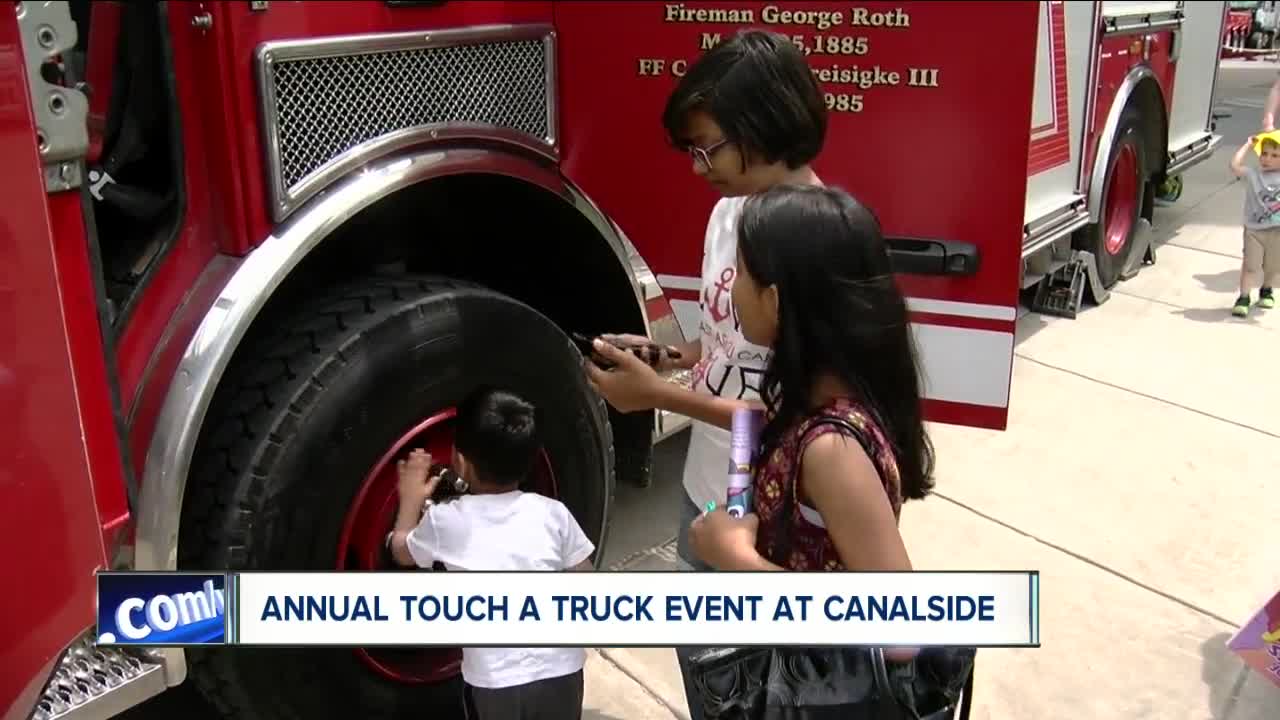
497,527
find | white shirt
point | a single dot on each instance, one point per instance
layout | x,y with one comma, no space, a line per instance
507,531
730,366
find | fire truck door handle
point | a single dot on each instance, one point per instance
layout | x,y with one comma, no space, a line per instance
932,257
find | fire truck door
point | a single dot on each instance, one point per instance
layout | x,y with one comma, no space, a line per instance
53,390
1198,47
929,116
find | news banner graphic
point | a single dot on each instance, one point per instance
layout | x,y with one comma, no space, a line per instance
541,609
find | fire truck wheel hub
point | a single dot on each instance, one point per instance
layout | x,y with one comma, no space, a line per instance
362,545
1122,200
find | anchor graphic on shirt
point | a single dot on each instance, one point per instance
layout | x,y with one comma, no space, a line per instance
724,285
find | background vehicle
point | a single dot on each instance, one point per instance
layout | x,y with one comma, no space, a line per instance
1238,33
1099,158
257,249
1251,26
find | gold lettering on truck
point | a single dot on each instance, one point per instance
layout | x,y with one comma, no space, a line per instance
677,12
896,18
848,57
817,19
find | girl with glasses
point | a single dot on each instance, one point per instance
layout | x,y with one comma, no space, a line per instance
752,117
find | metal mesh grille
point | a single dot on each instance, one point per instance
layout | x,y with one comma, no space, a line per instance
326,106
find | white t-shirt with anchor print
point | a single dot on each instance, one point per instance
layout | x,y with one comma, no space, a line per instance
730,366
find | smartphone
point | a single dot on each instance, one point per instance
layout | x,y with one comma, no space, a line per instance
649,357
586,347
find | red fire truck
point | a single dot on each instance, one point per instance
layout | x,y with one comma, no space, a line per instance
258,249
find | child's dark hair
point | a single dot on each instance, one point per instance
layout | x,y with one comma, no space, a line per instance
497,433
759,89
840,312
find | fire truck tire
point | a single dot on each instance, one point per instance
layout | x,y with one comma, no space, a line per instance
633,445
1123,189
307,410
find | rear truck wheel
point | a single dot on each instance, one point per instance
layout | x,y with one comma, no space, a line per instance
1122,193
295,470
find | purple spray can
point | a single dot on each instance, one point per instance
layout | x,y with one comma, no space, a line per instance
742,445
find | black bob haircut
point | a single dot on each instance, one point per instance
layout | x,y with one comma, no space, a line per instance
841,313
496,431
759,89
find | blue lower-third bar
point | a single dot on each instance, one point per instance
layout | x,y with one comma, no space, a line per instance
162,608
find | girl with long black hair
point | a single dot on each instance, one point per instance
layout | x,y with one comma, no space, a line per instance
844,442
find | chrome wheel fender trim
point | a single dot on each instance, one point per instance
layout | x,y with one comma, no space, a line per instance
209,352
1102,158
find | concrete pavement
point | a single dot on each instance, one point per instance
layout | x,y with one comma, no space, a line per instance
610,694
1144,438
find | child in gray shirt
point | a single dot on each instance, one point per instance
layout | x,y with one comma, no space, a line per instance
1261,263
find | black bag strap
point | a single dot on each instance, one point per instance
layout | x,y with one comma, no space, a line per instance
889,705
966,695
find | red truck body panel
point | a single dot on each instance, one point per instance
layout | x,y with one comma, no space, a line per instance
914,154
61,473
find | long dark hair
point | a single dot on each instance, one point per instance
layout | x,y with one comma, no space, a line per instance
840,313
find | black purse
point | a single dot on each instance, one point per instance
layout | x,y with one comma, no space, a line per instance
848,683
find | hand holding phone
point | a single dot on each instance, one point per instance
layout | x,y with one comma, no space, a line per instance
648,351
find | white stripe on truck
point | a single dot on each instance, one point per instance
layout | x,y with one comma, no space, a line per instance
679,282
961,365
939,307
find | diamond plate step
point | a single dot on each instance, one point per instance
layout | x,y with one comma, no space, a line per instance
94,683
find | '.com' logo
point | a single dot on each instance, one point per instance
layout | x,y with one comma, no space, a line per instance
162,609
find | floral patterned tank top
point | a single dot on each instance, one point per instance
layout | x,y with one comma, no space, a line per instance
811,547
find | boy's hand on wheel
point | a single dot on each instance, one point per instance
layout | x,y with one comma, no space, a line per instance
414,485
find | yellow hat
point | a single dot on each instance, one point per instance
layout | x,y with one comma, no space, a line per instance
1274,136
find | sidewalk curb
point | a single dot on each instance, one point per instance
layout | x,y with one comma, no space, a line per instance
620,659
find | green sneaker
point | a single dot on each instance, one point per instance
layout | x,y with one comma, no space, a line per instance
1241,307
1266,299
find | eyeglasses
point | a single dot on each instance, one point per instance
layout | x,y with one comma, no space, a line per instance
703,155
